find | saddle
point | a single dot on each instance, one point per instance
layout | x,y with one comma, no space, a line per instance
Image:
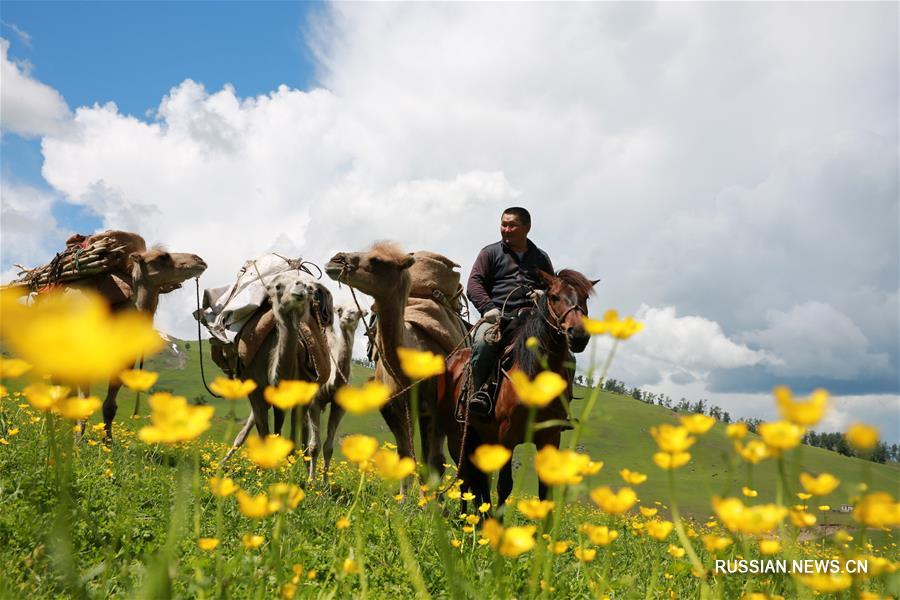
492,385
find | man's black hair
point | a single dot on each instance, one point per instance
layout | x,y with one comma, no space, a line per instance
520,213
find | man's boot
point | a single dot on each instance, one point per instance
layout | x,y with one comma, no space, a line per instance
480,402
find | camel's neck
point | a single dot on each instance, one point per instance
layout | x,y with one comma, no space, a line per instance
343,352
146,298
283,362
391,329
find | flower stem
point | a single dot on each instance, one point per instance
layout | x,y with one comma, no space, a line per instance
679,526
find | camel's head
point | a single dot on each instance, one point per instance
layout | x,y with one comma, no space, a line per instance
382,270
349,317
289,293
567,295
164,270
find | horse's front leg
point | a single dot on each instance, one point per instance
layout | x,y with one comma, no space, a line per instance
504,483
546,437
241,437
110,407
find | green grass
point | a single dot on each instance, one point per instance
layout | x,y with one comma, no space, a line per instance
618,433
86,522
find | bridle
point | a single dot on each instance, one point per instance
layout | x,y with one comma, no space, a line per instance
557,320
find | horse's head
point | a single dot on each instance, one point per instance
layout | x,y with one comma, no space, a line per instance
567,294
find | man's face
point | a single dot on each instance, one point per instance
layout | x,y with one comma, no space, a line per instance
512,231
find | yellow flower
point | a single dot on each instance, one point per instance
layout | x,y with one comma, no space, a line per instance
758,519
208,543
862,437
600,535
342,523
492,531
11,368
78,409
697,424
256,507
754,452
671,461
45,397
586,554
801,518
456,543
613,503
648,512
632,477
517,540
73,337
769,546
827,582
472,519
359,448
532,343
824,507
611,324
173,420
804,496
781,435
676,551
222,487
672,439
251,541
715,543
485,506
559,547
490,457
749,493
289,393
372,396
270,452
138,380
736,431
557,467
390,466
591,467
659,530
822,485
288,590
546,387
288,494
468,496
877,509
535,509
801,413
351,567
232,389
417,364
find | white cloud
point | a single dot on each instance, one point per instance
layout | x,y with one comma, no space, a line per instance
28,227
735,161
29,107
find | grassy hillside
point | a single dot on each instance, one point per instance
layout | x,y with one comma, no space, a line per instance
617,433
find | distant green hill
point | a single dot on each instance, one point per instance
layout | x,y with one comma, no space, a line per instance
617,433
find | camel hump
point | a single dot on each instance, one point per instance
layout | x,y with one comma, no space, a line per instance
433,271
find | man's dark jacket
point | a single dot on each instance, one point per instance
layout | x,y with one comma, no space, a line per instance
498,271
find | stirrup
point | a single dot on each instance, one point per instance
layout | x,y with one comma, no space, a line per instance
480,403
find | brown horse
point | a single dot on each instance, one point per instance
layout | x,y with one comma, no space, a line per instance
556,323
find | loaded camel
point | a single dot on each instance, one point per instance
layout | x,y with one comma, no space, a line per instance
136,284
341,348
292,346
384,273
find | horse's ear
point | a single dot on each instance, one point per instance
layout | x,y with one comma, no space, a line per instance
594,282
546,277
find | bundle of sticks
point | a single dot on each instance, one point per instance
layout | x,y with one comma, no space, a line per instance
93,256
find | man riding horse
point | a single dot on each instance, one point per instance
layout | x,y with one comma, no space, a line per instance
501,285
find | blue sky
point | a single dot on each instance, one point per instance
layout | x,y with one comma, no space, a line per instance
133,53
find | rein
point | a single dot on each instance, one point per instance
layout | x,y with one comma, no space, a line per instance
200,341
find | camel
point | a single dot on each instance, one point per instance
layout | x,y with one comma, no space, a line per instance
296,302
341,348
383,273
150,273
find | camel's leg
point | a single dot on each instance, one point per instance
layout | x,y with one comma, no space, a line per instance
241,437
313,422
396,421
335,414
260,412
84,390
110,407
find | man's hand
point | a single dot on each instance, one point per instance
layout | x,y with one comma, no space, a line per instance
492,316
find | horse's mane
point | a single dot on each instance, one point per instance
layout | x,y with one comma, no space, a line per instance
536,324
